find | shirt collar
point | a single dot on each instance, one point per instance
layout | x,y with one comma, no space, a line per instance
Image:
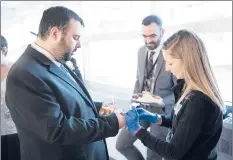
156,50
45,53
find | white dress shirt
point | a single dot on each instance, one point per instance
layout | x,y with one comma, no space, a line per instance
46,54
50,57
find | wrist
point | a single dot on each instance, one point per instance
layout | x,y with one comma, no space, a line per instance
160,120
135,132
156,118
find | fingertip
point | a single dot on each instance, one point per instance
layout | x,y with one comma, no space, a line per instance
134,108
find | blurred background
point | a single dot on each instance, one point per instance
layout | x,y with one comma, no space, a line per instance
112,37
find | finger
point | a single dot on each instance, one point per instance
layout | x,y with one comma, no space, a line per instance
106,111
139,110
135,96
134,109
140,95
128,114
131,113
101,112
109,111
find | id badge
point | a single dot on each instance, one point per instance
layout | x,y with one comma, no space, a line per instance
177,108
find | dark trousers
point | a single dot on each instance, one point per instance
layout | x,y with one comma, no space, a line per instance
10,148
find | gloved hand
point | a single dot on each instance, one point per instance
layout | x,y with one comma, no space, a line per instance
132,120
147,116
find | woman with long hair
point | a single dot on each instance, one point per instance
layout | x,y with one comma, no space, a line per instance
196,121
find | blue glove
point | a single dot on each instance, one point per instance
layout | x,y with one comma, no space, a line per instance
132,120
147,116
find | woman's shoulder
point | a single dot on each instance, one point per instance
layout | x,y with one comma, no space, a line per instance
200,100
195,94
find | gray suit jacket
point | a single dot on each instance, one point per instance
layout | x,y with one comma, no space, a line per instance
163,80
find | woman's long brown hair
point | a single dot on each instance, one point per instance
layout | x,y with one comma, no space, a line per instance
198,75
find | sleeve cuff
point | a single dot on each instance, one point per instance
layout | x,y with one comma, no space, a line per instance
163,119
137,130
113,121
98,105
141,133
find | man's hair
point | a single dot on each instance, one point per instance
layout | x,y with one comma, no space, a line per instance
4,42
152,19
56,17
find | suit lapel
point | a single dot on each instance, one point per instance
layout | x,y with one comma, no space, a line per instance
52,68
82,86
159,65
59,73
157,70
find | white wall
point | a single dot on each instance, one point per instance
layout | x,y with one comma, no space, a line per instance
113,34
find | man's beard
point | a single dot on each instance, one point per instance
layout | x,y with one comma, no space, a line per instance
66,50
67,56
155,44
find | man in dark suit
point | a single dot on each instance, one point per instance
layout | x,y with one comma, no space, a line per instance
54,114
151,77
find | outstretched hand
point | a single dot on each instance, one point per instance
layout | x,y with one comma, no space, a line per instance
147,116
132,120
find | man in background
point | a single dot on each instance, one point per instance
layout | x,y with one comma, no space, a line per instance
7,125
9,139
151,77
51,107
4,61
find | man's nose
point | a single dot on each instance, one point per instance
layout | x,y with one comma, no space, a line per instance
148,40
78,44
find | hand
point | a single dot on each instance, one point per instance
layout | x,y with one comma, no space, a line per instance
121,118
106,109
132,120
137,95
147,116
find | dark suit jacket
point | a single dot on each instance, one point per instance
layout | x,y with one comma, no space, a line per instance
56,119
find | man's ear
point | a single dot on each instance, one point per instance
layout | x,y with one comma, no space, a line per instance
55,33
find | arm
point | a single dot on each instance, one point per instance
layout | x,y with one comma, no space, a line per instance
166,121
35,109
185,136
